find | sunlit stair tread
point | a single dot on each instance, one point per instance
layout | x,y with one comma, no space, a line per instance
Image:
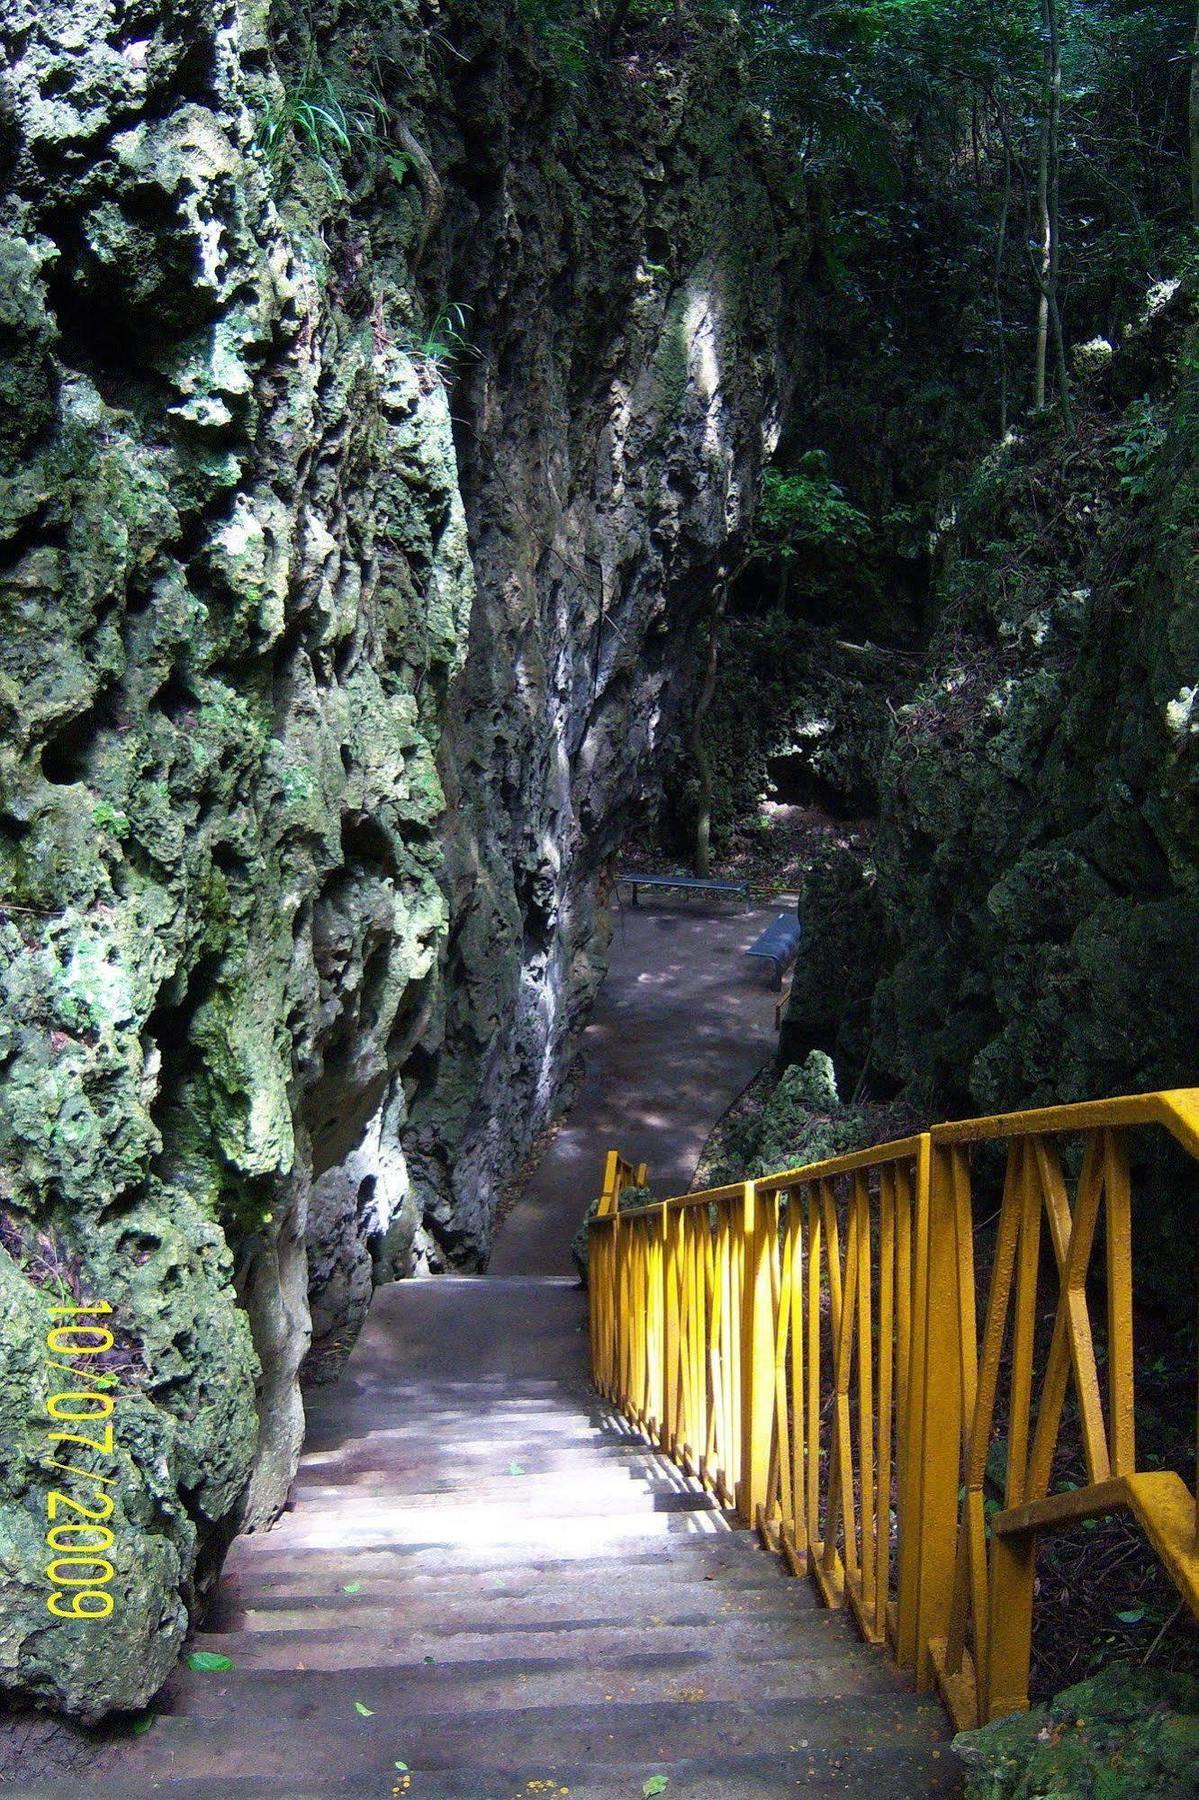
493,1613
548,1496
383,1638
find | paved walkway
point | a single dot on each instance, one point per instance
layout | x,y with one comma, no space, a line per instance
684,1020
489,1588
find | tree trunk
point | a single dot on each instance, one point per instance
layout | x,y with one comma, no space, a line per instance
699,751
1000,253
1044,236
1193,122
1048,210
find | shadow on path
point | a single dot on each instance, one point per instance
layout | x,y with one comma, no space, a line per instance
683,1021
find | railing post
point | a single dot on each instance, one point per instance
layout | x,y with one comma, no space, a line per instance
757,1359
670,1330
619,1325
936,1414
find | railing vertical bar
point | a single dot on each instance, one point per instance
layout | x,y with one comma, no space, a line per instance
1071,1344
904,1177
757,1355
841,1483
973,1563
795,1272
779,1497
719,1412
1012,1570
865,1359
1118,1215
815,1254
717,1356
886,1349
938,1396
1024,1325
912,1654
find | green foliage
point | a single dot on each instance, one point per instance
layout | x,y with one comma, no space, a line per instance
110,819
562,27
849,74
800,1119
803,508
1136,454
325,114
445,341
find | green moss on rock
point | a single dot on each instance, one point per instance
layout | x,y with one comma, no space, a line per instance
1126,1734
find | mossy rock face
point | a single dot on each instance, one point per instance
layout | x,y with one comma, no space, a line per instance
1126,1734
838,961
631,251
1021,931
792,1119
1037,856
234,586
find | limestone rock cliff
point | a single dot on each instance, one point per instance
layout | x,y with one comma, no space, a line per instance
241,676
235,583
629,252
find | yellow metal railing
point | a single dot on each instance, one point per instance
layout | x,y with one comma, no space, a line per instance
811,1345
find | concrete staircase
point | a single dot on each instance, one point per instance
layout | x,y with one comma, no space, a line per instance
524,1599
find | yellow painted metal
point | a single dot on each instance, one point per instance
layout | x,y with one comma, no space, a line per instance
808,1345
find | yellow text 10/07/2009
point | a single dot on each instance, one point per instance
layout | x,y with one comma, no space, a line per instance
78,1533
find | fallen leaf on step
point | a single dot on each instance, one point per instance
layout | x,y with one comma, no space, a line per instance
209,1661
365,1711
352,1587
657,1784
515,1468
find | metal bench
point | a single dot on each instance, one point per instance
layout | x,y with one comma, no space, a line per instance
691,883
778,945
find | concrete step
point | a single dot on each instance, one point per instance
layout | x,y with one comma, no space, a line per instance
489,1534
386,1637
549,1496
678,1558
877,1769
548,1592
584,1624
519,1607
281,1745
565,1670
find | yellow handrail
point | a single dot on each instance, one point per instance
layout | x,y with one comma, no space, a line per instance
809,1345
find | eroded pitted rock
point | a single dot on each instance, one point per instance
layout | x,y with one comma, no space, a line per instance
234,580
630,253
236,583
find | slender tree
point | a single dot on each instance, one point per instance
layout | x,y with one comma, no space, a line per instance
1193,121
1048,248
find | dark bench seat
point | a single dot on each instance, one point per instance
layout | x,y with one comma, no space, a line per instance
691,883
778,944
